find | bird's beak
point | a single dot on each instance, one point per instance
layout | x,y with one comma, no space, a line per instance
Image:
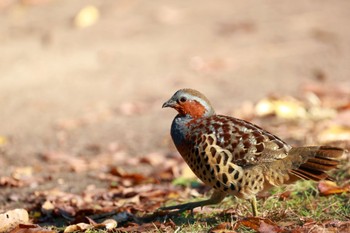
170,103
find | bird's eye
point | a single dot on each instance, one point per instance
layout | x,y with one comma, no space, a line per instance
183,99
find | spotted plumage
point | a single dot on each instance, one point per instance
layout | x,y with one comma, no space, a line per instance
237,157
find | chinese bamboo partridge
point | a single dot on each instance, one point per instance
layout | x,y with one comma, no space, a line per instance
237,157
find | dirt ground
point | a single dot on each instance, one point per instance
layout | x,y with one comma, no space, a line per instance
85,91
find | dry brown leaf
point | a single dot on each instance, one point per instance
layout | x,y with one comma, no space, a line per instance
339,226
21,176
222,227
146,160
12,218
31,228
285,195
70,161
344,107
154,193
267,227
164,174
133,178
47,207
148,227
10,182
78,227
109,224
327,187
21,173
262,225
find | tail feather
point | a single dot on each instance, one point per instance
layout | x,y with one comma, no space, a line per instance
314,162
320,164
307,174
329,152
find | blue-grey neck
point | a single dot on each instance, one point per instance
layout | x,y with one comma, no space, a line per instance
179,129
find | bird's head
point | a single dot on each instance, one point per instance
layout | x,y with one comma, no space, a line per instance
189,102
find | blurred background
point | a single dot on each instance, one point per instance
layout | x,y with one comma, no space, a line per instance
81,76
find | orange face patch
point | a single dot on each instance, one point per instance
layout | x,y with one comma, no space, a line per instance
192,108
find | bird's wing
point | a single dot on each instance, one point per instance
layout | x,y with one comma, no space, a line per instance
245,143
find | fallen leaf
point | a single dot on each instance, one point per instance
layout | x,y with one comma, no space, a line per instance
47,208
155,226
21,173
164,174
285,195
78,227
222,227
12,218
109,224
10,182
21,176
327,187
133,178
31,228
339,226
262,225
268,227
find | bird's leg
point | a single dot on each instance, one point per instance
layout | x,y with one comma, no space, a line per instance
254,205
215,198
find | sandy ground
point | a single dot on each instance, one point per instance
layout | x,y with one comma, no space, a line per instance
74,90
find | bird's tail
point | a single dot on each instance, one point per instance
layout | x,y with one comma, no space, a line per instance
312,163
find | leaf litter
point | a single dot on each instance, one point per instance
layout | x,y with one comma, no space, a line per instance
131,191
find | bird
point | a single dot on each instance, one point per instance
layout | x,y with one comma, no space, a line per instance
236,157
